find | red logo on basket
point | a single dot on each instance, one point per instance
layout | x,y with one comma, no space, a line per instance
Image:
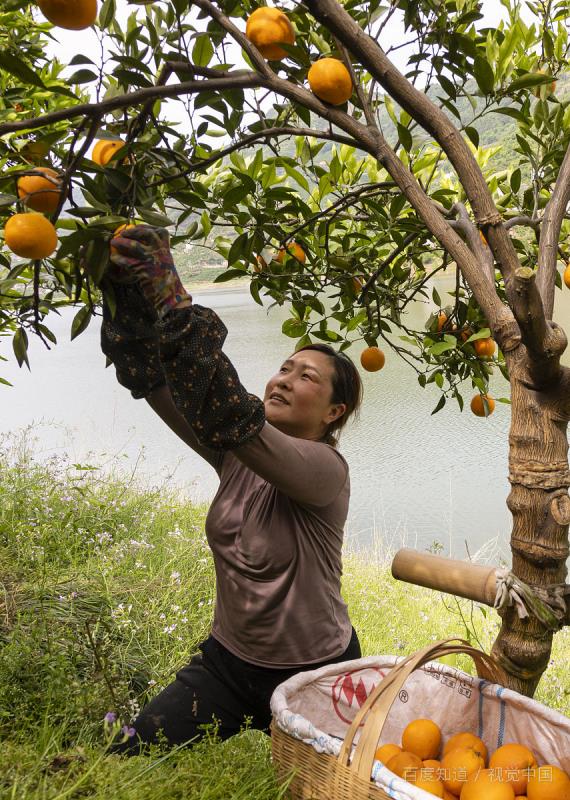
351,689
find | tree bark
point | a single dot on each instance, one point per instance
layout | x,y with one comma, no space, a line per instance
539,478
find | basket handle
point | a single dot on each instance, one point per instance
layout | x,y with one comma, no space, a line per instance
380,700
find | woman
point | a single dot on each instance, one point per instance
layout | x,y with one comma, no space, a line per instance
275,526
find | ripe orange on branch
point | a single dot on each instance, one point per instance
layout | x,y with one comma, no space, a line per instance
267,29
294,249
372,359
125,227
105,149
566,276
330,80
478,405
30,236
484,348
75,15
441,320
38,192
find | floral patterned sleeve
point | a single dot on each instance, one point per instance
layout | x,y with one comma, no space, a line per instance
130,341
183,350
204,383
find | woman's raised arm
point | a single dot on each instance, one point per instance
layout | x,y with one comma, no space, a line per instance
130,341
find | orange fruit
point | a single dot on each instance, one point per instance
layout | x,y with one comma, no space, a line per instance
511,763
483,238
422,736
105,149
75,15
447,795
566,276
293,249
484,347
544,89
386,751
405,765
485,786
267,28
458,766
357,284
441,320
260,264
330,80
466,739
429,784
478,405
432,768
548,783
35,151
372,359
30,236
39,192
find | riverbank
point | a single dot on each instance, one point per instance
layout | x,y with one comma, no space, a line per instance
107,588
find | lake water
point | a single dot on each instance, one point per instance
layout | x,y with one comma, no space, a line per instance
416,479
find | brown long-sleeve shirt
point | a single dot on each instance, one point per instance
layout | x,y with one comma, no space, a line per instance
276,524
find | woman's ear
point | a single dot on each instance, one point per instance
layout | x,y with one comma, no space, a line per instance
336,411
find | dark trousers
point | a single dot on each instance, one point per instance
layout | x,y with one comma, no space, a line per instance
215,686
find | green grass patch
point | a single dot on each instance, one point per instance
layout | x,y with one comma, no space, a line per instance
106,589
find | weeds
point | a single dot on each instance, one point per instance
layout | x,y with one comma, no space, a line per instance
106,589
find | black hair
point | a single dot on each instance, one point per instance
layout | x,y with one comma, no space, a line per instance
346,388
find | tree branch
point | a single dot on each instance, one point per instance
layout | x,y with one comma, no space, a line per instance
545,341
242,79
333,16
266,133
475,242
550,234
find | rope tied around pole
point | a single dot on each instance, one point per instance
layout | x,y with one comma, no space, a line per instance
548,605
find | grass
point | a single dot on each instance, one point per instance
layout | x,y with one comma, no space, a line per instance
106,588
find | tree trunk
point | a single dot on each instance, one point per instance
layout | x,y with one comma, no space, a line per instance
539,503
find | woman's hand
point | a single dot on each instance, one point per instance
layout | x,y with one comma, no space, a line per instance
142,255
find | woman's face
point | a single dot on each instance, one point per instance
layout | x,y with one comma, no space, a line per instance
298,397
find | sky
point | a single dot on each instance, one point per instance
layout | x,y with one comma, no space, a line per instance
69,43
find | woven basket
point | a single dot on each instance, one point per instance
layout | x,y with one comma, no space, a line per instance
348,776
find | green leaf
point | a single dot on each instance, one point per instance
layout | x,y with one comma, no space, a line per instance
203,50
15,66
294,328
483,74
530,80
516,180
107,14
484,333
229,275
154,217
83,76
238,248
20,346
80,321
473,134
439,406
405,137
440,347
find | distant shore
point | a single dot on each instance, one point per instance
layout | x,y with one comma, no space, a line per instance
210,286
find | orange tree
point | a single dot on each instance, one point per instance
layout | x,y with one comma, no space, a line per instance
343,209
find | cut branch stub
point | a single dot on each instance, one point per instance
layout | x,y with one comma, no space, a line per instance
545,341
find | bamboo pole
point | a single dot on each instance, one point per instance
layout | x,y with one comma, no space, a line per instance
461,578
